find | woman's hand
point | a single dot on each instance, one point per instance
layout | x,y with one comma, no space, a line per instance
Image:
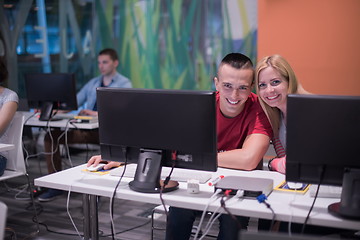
278,164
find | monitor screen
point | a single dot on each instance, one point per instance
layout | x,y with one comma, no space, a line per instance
323,139
162,124
51,91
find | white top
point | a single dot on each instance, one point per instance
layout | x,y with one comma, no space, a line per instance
7,96
282,132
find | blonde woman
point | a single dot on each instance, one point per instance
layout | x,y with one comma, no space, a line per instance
274,80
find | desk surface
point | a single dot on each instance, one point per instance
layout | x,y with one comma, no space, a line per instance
6,147
33,121
287,206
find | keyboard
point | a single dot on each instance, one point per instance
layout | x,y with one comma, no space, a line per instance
64,116
326,191
180,175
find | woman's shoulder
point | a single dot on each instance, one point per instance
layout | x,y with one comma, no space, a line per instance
9,95
301,90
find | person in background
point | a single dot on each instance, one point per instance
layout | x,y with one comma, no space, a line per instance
8,105
274,80
108,61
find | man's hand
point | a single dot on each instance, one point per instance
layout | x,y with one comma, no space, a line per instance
88,112
95,160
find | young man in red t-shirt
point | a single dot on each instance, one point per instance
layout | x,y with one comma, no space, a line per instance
243,132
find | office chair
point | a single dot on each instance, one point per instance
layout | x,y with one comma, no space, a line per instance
3,214
15,165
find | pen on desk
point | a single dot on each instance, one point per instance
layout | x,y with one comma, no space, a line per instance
215,180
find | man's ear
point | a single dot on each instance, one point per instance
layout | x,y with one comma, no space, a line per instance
216,83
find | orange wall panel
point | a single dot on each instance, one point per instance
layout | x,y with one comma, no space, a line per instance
320,39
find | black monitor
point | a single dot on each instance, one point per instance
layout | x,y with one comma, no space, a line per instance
153,127
323,146
51,91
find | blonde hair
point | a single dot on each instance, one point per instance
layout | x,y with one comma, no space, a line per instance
285,70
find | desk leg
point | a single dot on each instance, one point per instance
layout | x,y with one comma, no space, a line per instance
91,225
94,217
86,211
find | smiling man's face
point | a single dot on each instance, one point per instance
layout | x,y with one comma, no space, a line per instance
234,86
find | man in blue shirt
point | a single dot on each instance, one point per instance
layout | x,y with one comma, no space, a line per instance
107,63
86,98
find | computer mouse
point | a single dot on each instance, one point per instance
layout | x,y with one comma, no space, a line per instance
93,168
294,185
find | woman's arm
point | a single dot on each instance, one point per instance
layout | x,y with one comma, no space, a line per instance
278,163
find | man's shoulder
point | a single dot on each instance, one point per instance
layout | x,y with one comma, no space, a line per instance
120,80
94,79
253,98
119,76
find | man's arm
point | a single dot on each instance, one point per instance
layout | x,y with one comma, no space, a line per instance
86,92
81,96
249,156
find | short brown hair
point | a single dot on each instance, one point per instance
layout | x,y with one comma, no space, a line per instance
111,52
237,60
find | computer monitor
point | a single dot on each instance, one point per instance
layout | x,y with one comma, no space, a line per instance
153,127
323,146
51,91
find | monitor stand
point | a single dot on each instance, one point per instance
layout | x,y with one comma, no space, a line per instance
46,112
349,206
148,172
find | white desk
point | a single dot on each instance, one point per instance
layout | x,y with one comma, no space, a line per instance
285,205
9,173
6,147
35,122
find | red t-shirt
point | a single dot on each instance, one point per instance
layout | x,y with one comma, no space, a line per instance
231,132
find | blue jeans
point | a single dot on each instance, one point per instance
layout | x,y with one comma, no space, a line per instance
3,161
180,222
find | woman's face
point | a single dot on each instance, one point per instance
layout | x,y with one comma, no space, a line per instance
273,88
